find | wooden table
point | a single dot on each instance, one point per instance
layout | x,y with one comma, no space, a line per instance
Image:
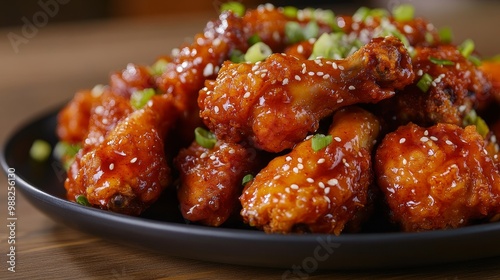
57,60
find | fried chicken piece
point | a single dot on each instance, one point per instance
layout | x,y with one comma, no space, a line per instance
128,170
274,104
211,180
132,78
316,191
73,119
457,85
438,177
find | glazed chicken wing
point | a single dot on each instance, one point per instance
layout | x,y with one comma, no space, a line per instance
316,191
455,87
438,177
127,171
211,180
275,103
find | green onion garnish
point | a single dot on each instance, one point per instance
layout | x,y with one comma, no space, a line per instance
466,48
311,30
258,52
438,61
236,7
82,200
246,179
425,82
293,32
445,35
290,11
403,12
40,150
473,119
429,38
379,13
139,98
475,60
320,141
237,56
158,68
254,39
205,138
361,14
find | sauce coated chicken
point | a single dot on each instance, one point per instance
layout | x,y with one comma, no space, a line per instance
409,122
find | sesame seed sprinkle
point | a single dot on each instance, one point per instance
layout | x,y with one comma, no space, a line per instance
294,186
288,158
333,182
321,160
310,180
246,95
111,166
402,140
133,160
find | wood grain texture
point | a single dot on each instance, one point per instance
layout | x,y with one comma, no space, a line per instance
45,72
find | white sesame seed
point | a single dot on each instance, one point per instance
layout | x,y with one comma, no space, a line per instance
285,81
286,167
326,77
111,166
277,177
420,72
216,109
402,140
246,95
320,73
321,160
338,139
352,87
448,142
332,182
426,132
133,160
321,185
327,190
327,199
254,68
299,160
424,139
300,166
288,158
335,66
208,70
294,186
203,155
405,161
310,180
295,170
212,157
341,67
430,152
434,138
300,49
297,77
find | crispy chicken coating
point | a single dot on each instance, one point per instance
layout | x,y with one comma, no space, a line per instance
438,177
128,170
211,180
73,119
276,103
455,89
316,191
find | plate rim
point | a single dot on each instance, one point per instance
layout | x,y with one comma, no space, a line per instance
35,196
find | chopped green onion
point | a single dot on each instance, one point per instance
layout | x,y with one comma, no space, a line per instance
379,13
158,68
236,7
323,46
258,52
237,56
139,98
293,32
438,61
326,16
40,150
429,38
290,11
254,39
320,141
361,14
475,60
445,35
311,30
82,200
403,12
473,119
66,152
205,138
466,48
425,82
246,179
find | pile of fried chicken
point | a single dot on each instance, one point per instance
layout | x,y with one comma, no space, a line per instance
341,117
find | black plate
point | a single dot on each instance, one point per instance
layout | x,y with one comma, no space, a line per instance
42,185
